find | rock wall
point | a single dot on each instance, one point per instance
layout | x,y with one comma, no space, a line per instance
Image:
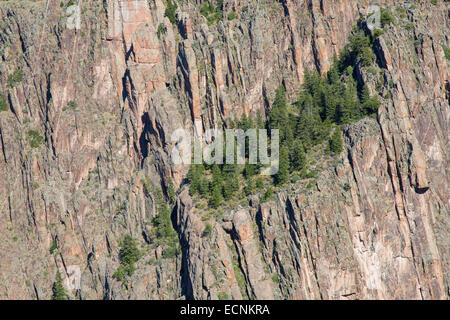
106,98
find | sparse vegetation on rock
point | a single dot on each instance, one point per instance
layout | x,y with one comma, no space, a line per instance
59,292
129,254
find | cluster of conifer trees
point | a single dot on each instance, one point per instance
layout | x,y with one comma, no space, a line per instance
324,104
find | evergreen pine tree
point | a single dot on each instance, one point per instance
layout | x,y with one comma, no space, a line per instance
250,170
59,292
288,133
130,253
367,56
246,122
3,103
216,197
259,120
267,195
333,74
193,176
347,109
171,190
230,185
369,104
250,187
336,142
216,186
305,120
357,43
217,178
234,177
372,105
365,94
284,164
298,156
259,183
279,118
203,186
330,103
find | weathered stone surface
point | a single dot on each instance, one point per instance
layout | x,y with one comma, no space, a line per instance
373,225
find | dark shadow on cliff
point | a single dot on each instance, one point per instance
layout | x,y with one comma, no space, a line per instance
143,142
186,284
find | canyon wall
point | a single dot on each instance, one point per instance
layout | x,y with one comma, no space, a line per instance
106,97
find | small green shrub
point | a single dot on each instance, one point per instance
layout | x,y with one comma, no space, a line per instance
308,175
171,252
336,142
275,278
3,103
207,230
212,13
232,15
371,106
367,56
267,195
386,17
34,138
162,222
160,31
259,183
372,70
129,254
15,78
171,190
72,105
119,274
53,247
409,26
446,52
222,296
59,292
171,8
377,33
207,9
358,42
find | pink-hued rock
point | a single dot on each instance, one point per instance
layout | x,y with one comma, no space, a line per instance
373,224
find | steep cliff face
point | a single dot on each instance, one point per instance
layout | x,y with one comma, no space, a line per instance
85,152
